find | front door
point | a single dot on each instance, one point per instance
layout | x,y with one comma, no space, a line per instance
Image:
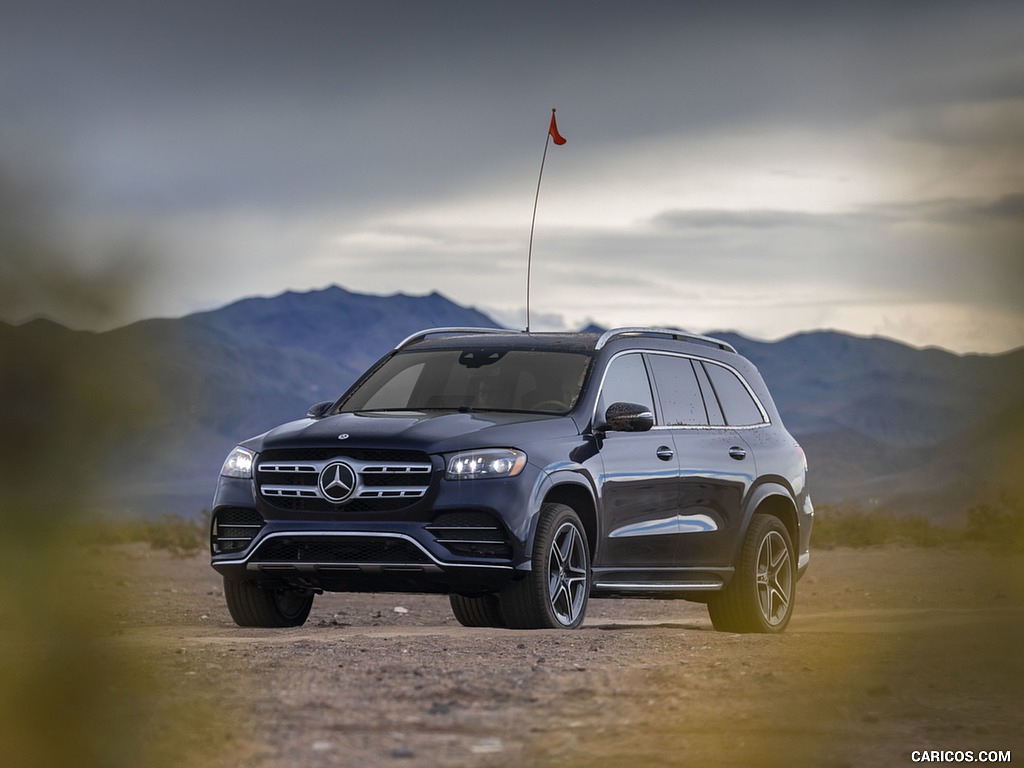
638,478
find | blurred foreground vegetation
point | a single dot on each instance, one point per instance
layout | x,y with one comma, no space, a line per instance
71,694
998,525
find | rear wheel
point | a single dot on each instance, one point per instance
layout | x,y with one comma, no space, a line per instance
483,611
760,596
554,593
253,606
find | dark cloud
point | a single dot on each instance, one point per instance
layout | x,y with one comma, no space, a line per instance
199,105
970,212
761,219
246,139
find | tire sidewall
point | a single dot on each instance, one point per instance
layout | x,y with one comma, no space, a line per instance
765,526
554,518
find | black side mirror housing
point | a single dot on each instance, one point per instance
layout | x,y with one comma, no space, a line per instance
320,409
628,417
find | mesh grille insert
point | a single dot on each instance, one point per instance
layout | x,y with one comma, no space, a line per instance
354,549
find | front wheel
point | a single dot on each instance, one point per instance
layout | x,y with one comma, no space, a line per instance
760,596
554,593
483,611
251,605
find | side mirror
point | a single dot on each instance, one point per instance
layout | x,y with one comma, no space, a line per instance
318,410
628,417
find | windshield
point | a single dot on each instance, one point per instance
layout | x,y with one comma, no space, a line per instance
473,378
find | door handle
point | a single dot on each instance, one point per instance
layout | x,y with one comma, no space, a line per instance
738,453
665,453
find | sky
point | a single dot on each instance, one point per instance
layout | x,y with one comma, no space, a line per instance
768,168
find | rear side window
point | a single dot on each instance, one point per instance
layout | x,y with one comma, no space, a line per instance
715,416
738,405
678,392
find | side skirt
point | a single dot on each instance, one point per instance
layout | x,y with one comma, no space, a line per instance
663,583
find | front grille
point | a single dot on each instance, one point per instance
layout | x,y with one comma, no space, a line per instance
233,529
385,480
359,454
340,551
471,532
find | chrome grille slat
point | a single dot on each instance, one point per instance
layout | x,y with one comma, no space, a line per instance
291,491
292,480
471,533
289,467
233,529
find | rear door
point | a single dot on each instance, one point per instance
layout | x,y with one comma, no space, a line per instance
716,465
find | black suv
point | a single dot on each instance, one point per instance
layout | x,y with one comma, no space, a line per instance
521,474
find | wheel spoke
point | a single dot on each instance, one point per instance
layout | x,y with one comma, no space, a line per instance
567,575
773,578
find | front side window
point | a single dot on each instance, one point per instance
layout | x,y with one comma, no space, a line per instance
626,382
473,378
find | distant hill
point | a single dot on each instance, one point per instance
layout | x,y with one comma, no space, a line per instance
923,431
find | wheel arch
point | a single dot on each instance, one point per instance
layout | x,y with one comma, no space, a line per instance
578,496
773,499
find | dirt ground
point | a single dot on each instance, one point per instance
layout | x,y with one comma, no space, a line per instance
890,651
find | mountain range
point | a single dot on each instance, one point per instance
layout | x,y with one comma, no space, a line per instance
920,431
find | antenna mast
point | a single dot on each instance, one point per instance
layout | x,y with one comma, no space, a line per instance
552,134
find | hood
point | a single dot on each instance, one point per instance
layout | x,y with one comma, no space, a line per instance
414,430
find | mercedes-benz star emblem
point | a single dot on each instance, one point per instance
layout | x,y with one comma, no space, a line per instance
337,482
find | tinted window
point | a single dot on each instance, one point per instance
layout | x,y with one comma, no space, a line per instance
678,393
398,389
473,378
740,408
626,382
715,416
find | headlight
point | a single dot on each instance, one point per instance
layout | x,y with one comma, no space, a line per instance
238,463
491,462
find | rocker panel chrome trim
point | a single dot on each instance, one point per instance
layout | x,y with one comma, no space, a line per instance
693,586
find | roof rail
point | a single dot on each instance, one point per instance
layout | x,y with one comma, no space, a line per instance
675,333
420,335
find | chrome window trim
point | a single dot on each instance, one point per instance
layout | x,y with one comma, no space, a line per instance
757,401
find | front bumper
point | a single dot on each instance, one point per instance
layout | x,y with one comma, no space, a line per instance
458,538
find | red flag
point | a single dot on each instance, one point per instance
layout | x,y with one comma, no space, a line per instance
553,130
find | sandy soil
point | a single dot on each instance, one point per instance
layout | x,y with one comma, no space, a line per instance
889,651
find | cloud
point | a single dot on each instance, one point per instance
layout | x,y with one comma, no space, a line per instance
759,219
765,168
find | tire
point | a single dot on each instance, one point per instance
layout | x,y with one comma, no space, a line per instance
253,606
554,593
761,594
484,611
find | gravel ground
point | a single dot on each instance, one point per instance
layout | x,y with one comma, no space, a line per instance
889,651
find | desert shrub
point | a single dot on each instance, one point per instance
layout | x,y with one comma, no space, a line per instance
852,526
178,535
999,525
